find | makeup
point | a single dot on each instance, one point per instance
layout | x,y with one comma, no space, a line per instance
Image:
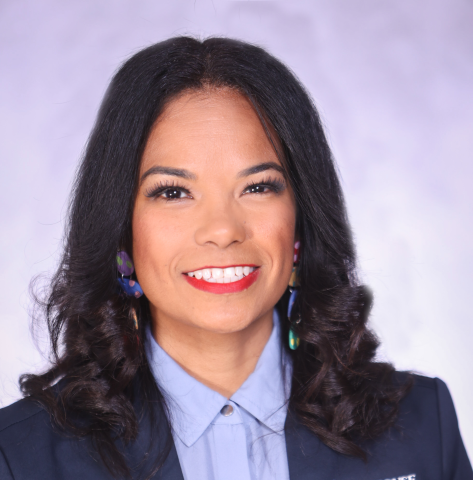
220,288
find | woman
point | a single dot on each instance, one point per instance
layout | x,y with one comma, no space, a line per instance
180,351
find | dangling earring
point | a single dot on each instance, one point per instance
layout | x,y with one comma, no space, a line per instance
294,339
134,317
126,268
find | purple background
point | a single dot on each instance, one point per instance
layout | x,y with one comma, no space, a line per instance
394,84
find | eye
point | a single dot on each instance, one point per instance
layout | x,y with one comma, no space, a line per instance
270,185
174,193
258,189
168,192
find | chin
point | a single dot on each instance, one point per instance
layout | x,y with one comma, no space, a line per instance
223,323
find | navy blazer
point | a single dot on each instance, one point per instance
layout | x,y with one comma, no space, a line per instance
426,446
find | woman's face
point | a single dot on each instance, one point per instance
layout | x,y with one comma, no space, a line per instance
212,200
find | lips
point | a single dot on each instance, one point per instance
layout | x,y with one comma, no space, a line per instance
223,280
222,274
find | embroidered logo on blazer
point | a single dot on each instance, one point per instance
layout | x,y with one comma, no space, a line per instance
412,476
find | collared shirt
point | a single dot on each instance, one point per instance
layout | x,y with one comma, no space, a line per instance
214,442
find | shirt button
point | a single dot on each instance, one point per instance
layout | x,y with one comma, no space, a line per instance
227,410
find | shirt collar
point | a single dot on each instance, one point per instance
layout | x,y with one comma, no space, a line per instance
193,406
266,391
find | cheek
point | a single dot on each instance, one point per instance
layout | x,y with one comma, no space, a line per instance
276,234
155,243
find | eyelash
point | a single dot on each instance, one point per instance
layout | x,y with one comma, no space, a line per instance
275,185
157,190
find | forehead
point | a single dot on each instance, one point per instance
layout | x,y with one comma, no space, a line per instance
217,127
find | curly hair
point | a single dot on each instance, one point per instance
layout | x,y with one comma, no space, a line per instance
338,391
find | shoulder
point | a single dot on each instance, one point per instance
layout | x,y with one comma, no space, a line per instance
434,393
428,403
427,431
428,411
22,421
422,397
425,391
428,406
17,415
425,443
32,447
20,425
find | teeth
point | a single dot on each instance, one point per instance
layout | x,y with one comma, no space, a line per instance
217,273
222,275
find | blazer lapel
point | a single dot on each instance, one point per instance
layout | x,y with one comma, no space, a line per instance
171,470
154,441
308,458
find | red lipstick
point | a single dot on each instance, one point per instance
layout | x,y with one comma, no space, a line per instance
233,287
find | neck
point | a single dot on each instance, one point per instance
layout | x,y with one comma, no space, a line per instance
221,361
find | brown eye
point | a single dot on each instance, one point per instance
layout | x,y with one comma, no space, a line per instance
173,194
267,186
168,192
257,189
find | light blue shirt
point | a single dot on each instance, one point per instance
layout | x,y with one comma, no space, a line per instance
248,444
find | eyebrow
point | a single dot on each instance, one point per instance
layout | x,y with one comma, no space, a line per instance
175,172
183,173
261,167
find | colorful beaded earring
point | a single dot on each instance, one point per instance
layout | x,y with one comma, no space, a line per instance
130,287
126,269
294,339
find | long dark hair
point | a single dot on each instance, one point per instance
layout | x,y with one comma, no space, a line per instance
339,392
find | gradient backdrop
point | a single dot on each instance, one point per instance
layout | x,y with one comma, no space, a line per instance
394,84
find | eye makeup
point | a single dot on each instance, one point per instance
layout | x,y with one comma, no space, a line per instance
172,187
275,185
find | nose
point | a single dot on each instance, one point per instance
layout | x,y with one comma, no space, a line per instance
220,226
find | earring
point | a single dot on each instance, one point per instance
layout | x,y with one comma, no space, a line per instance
294,339
134,317
126,268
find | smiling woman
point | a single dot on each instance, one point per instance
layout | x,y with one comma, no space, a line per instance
213,206
206,319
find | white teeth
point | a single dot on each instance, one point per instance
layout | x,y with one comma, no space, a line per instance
217,273
222,275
